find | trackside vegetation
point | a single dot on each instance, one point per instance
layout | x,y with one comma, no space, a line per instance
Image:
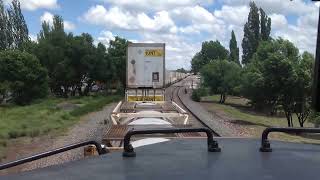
273,75
46,85
51,115
58,63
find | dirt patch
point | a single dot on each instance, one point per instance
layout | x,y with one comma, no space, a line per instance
242,122
239,128
66,106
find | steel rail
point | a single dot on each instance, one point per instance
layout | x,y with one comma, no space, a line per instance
194,115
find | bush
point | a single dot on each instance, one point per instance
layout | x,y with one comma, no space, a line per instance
198,93
26,78
314,117
16,133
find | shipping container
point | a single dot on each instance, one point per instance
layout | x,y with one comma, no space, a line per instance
146,65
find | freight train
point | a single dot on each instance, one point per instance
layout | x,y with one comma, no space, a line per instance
177,153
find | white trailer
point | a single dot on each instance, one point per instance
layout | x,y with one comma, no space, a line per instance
145,72
146,65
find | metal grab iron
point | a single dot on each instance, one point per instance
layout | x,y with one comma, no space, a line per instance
265,144
53,152
213,145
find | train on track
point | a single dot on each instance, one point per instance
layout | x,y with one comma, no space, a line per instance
157,140
146,104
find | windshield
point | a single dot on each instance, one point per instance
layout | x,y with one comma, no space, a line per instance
72,71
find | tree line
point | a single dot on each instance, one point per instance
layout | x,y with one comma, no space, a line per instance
273,75
58,63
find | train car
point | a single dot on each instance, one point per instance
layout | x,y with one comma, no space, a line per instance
146,65
145,105
145,72
174,76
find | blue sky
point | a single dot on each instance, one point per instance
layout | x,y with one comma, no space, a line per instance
182,24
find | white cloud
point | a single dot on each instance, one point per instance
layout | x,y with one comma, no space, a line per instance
197,20
114,17
236,15
160,22
156,5
194,14
48,17
185,26
117,18
32,5
33,37
309,20
189,30
303,34
278,6
278,21
105,37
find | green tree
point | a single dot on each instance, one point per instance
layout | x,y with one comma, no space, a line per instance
252,82
117,54
276,76
54,53
181,70
265,25
251,36
222,77
196,63
4,28
234,50
210,51
82,61
103,70
304,70
280,81
4,90
19,27
24,75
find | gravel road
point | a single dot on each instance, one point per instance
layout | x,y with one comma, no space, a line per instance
214,122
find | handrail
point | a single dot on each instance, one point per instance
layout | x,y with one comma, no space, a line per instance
265,144
52,152
129,150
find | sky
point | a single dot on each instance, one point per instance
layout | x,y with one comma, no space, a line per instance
182,24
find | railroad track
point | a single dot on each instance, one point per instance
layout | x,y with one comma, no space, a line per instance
175,93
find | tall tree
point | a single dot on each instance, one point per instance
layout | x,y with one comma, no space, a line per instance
6,33
102,62
196,63
234,50
3,27
23,75
251,37
265,25
19,26
53,48
210,51
117,53
213,50
222,77
304,71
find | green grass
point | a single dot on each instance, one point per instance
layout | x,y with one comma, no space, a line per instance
255,122
44,116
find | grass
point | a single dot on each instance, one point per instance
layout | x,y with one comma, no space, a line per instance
45,116
254,122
